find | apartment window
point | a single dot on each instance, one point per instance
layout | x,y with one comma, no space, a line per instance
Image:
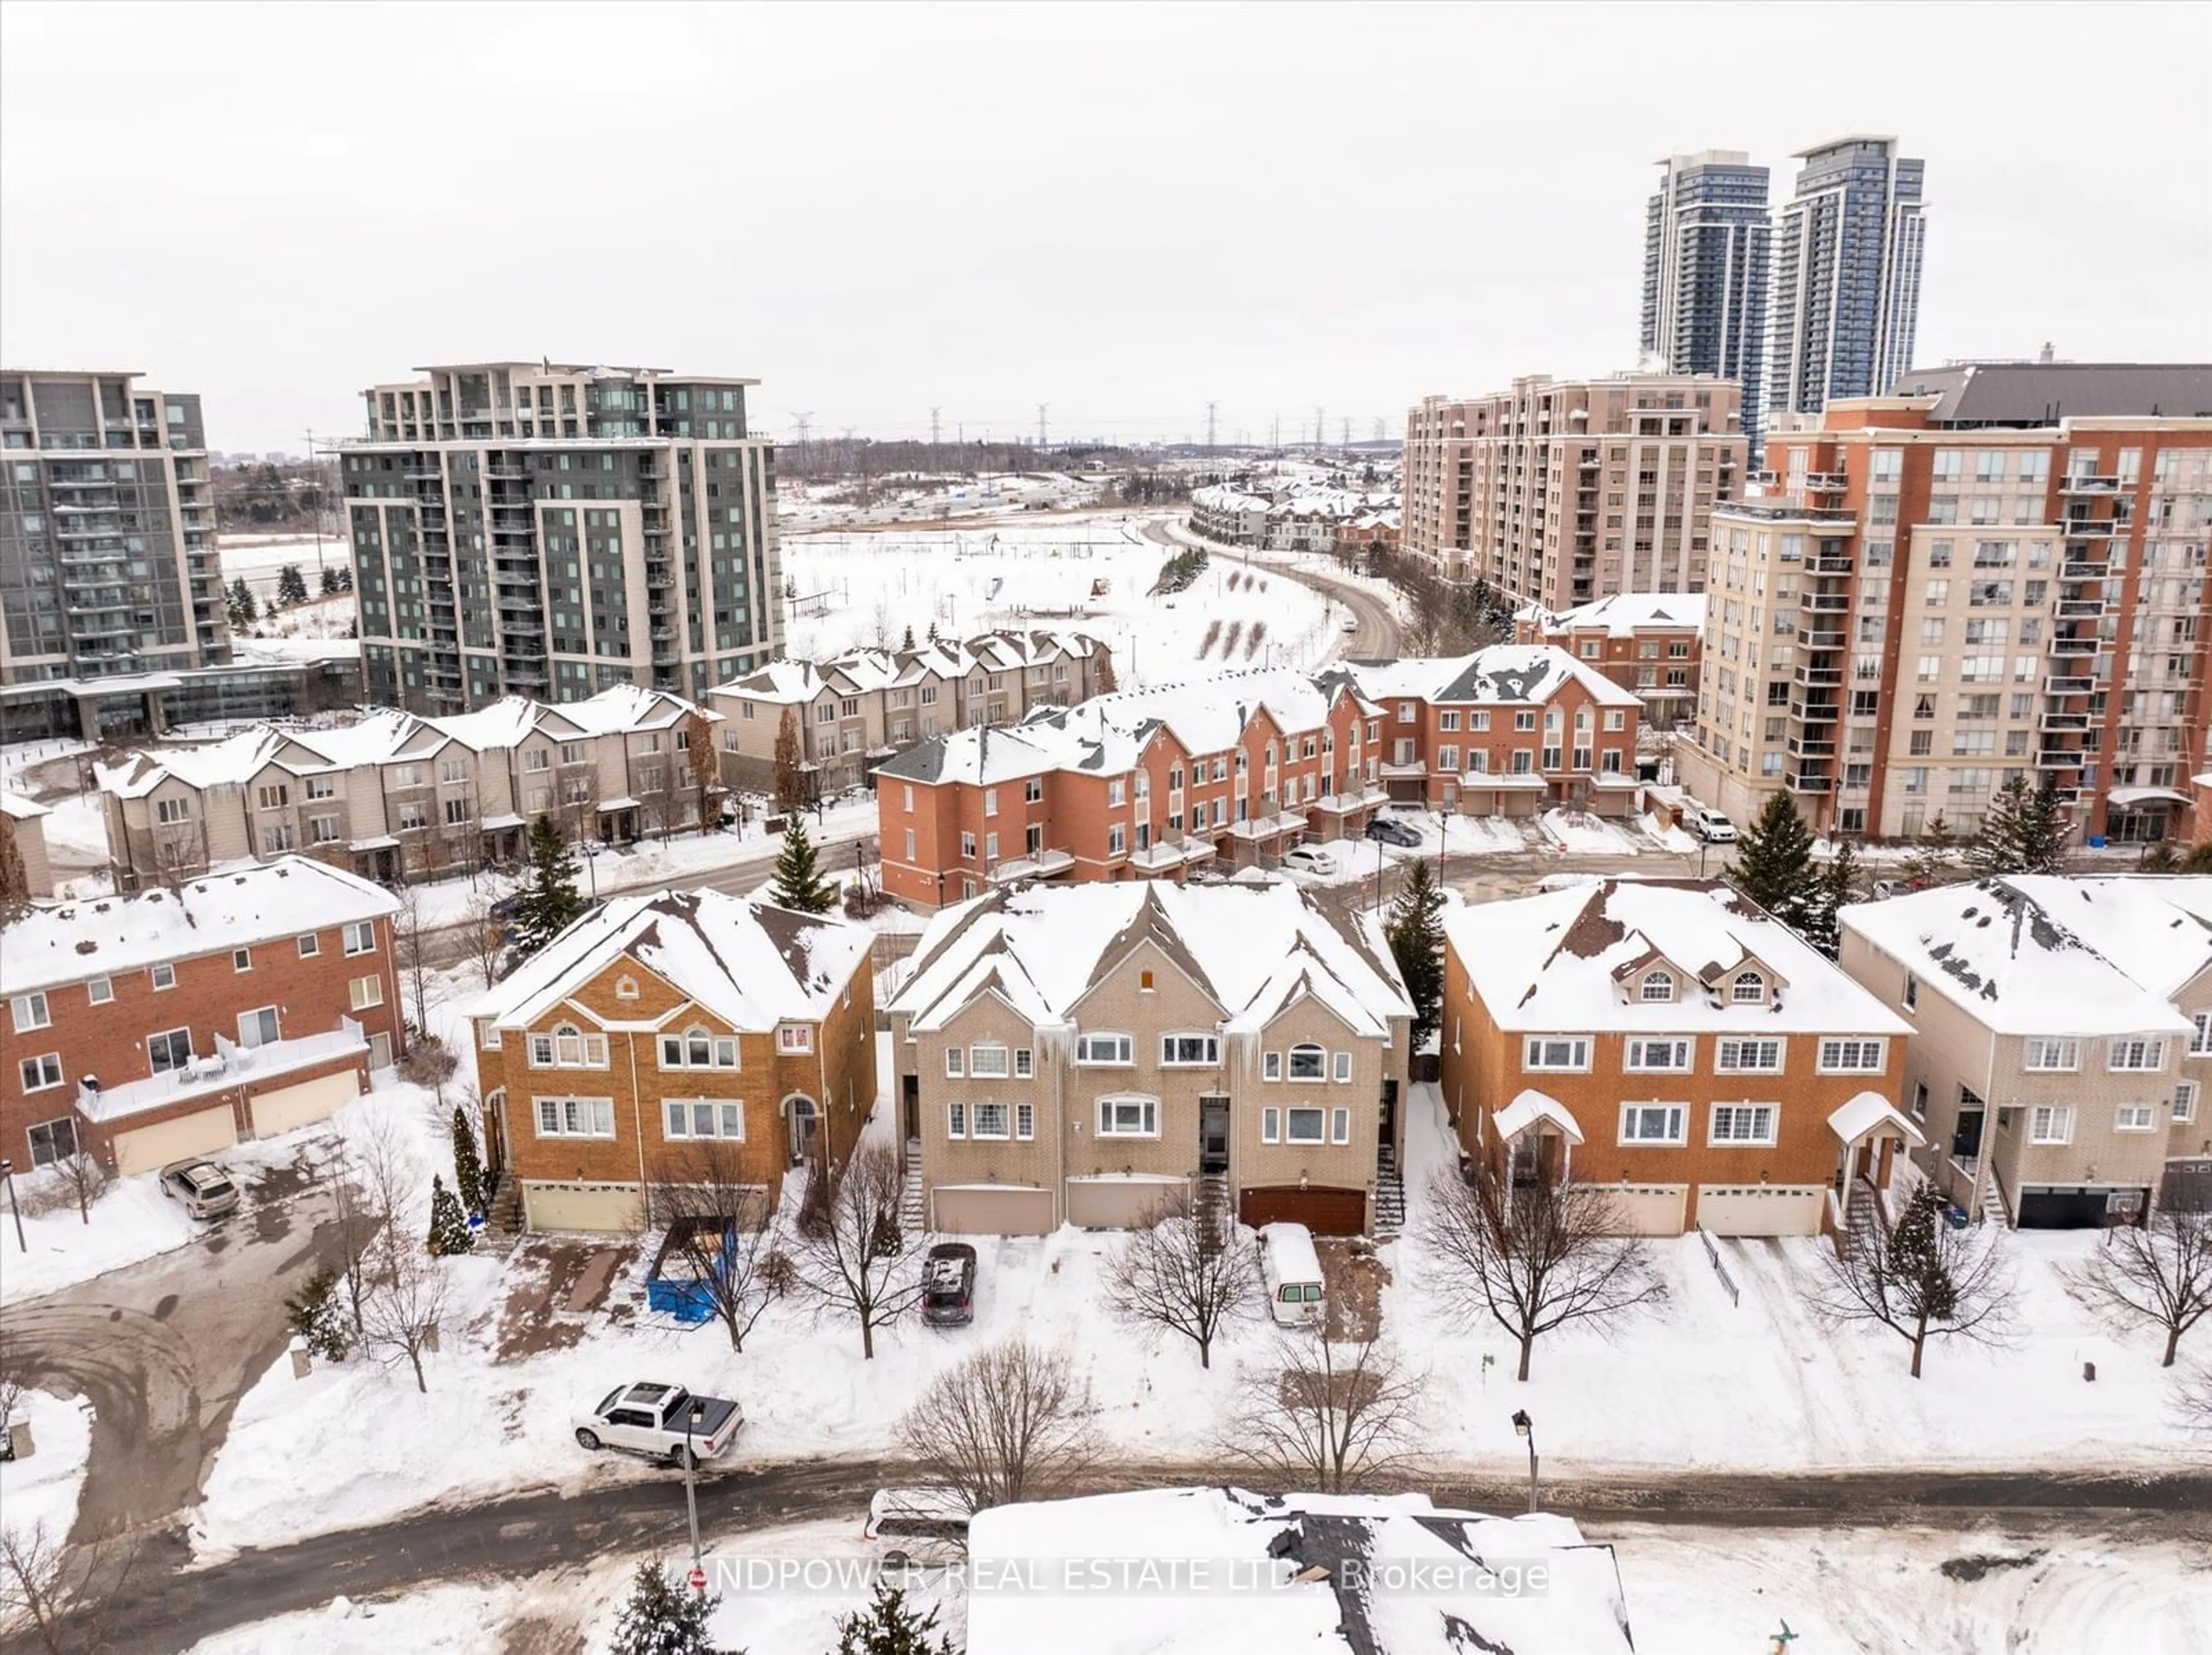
361,938
704,1118
698,1049
794,1036
989,1061
909,845
1302,1125
1555,1052
956,1063
956,1120
1657,985
1308,1062
1117,793
2138,1055
28,1011
1117,1049
364,993
1525,719
1749,988
567,1048
2050,1053
576,1117
1117,839
171,812
1749,1056
1033,791
1025,1121
2200,1043
100,991
1271,1126
171,1048
1657,1056
2184,1100
162,976
1128,1117
1743,1123
987,1121
275,796
41,1072
1852,1056
1271,1065
1178,1050
257,1027
2135,1117
990,801
1447,721
241,959
52,1141
1912,991
1654,1123
967,847
2050,1124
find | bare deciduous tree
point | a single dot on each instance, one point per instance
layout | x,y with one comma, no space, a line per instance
2192,1397
1010,1422
405,1303
2161,1273
63,1601
1169,1273
1533,1256
482,935
1333,1414
82,1178
1921,1279
718,1220
370,1175
845,1265
706,768
411,943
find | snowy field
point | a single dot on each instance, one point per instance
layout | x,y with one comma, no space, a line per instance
258,559
1091,575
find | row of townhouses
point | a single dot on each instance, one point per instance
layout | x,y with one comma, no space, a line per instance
1646,642
394,796
1301,517
1236,769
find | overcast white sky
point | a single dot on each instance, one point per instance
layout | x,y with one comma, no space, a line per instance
1123,211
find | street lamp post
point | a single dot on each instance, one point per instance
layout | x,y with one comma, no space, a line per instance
1525,1426
693,1419
8,1177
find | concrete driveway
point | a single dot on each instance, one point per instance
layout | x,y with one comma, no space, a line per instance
164,1349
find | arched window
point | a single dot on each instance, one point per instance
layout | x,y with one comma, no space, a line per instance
1308,1062
697,1047
1750,988
1659,985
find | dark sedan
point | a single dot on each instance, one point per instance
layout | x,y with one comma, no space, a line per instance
1392,831
948,1290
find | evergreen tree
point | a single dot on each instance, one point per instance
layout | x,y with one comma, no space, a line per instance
907,642
291,585
243,610
659,1618
331,587
550,901
1934,859
1834,885
932,631
345,577
2021,833
888,1626
1416,934
1108,684
1774,862
468,1165
316,1315
790,777
798,883
449,1226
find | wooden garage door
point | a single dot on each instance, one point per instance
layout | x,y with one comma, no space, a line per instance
593,1207
290,1107
995,1210
1760,1209
203,1133
1119,1203
1649,1209
1325,1212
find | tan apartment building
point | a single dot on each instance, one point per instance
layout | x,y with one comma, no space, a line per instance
394,796
1935,591
1080,1054
857,709
1646,642
2061,1039
1562,492
1671,1042
660,1023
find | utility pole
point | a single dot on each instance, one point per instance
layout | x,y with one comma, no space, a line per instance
932,428
315,468
1321,428
1209,409
1347,431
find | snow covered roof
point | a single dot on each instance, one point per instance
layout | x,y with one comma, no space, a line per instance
2028,954
1256,950
1864,1112
52,943
1573,960
15,805
1531,1106
625,707
752,964
1207,715
1626,613
1226,1572
796,682
1503,673
978,754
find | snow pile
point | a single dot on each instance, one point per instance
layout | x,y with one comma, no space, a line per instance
1579,831
1670,836
42,1491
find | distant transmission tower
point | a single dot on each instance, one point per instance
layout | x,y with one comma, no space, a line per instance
805,423
1041,436
1321,429
933,426
1209,409
1347,431
1276,439
1379,430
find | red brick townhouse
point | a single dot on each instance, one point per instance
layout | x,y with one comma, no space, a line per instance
660,1022
175,1022
1646,642
1151,783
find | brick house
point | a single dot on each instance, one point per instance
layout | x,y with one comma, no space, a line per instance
171,1023
659,1021
1074,1055
1669,1040
1646,642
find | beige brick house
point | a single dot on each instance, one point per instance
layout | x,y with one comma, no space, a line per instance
1076,1054
2061,1039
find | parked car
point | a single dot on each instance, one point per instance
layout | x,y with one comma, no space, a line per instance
918,1528
948,1290
1712,827
1305,859
660,1422
203,1188
1352,623
1290,1267
1392,831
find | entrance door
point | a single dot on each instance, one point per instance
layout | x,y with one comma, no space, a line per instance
801,1114
911,1113
1966,1137
1390,1112
1214,1134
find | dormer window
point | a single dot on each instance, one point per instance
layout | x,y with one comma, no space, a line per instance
1749,989
1658,985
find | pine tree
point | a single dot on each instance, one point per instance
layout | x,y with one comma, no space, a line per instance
1108,684
1774,862
468,1165
449,1226
291,585
2022,832
243,611
1835,884
662,1618
550,902
798,883
331,587
907,642
1416,934
1934,859
316,1314
932,631
888,1626
790,777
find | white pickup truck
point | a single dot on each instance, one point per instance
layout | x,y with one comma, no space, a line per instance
661,1421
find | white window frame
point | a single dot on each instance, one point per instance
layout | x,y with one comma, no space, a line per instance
956,1120
723,1051
259,1014
2135,1117
956,1063
1024,1063
1835,1051
1271,1065
1209,1049
1126,1048
1024,1122
1148,1113
575,1117
41,1072
309,944
162,976
1676,1118
1340,1067
984,1051
1727,1055
361,938
365,992
1270,1125
1756,981
1732,1140
2044,1047
2200,1042
1291,1115
1339,1125
1534,1053
725,1120
2050,1124
100,990
2184,1101
2133,1056
978,1113
26,1012
1663,980
1320,1058
1636,1055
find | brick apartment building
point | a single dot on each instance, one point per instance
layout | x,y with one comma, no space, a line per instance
176,1022
1670,1042
1939,589
658,1022
1236,769
1646,642
1561,493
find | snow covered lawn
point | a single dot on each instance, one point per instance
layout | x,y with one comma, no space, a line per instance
43,1489
442,1620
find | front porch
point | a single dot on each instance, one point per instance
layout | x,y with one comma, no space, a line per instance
1869,1132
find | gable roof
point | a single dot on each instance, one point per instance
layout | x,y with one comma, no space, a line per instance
1254,950
1549,962
1625,613
1502,674
752,964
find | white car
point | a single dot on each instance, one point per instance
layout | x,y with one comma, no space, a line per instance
661,1421
1304,859
1352,623
1712,827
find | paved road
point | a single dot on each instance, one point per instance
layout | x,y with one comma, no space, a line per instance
533,1533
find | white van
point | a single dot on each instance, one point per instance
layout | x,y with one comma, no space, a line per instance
918,1528
1292,1269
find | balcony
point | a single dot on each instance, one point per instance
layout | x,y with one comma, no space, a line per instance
2074,571
1812,678
2085,529
1043,864
1807,782
2089,485
1812,747
1824,603
231,1065
2068,686
1268,827
1174,851
2064,723
2080,609
1832,562
2075,646
1821,640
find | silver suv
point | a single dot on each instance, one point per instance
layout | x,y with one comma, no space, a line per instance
202,1187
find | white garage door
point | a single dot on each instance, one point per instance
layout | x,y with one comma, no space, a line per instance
1649,1209
990,1210
289,1107
1760,1209
148,1148
596,1207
